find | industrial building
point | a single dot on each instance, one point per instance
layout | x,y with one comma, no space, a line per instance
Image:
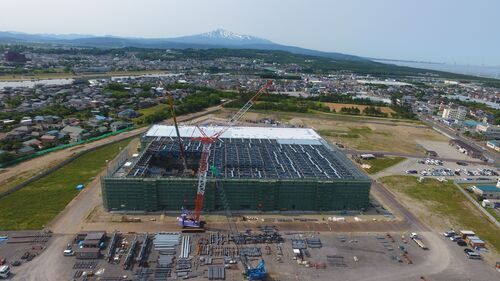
260,168
466,148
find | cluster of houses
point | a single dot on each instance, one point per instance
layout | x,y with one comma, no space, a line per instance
42,132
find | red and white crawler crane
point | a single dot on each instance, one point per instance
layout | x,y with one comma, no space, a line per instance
188,220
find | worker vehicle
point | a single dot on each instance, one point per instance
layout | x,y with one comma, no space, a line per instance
68,253
4,271
416,238
449,233
471,254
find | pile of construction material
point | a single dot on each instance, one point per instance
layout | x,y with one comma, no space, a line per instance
216,273
314,243
183,267
165,243
299,244
185,247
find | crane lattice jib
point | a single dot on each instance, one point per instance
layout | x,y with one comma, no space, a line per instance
237,116
207,143
202,178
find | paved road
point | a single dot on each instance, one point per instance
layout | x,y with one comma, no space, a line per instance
357,152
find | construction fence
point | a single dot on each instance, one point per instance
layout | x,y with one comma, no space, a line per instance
164,194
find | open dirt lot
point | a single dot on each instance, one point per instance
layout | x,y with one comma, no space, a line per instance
358,256
357,133
444,150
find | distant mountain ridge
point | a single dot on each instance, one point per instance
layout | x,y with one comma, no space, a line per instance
219,38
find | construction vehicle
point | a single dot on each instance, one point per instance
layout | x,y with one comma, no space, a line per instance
4,271
181,147
415,237
170,100
186,219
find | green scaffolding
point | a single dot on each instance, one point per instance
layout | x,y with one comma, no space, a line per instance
168,194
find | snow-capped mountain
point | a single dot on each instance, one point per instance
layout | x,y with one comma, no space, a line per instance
220,37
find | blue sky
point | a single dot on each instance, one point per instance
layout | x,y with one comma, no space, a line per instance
462,32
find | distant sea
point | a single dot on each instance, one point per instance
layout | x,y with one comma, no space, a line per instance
475,70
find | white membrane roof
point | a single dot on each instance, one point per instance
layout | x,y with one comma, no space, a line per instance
236,132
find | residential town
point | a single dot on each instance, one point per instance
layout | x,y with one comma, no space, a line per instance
41,114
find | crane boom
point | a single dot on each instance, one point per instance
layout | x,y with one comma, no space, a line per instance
237,116
207,144
202,179
181,146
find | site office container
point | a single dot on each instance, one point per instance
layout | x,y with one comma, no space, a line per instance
157,194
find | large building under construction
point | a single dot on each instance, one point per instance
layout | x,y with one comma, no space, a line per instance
260,168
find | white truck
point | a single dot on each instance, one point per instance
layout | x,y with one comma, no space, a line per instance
414,236
4,271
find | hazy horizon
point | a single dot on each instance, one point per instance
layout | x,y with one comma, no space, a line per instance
460,32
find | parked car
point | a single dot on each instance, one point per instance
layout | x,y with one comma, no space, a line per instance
454,238
471,254
461,242
412,172
449,233
68,253
462,163
4,271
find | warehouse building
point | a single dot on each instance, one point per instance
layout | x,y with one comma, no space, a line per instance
260,168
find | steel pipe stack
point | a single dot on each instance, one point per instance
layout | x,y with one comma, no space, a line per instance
185,247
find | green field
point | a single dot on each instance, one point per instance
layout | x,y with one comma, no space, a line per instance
380,164
446,200
39,202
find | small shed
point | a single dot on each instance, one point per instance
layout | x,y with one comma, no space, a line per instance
475,242
465,233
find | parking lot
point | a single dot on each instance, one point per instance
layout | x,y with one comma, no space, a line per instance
428,167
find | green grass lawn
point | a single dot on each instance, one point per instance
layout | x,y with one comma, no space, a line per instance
145,112
39,202
446,200
380,164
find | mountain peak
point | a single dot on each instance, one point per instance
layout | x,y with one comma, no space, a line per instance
226,34
221,36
